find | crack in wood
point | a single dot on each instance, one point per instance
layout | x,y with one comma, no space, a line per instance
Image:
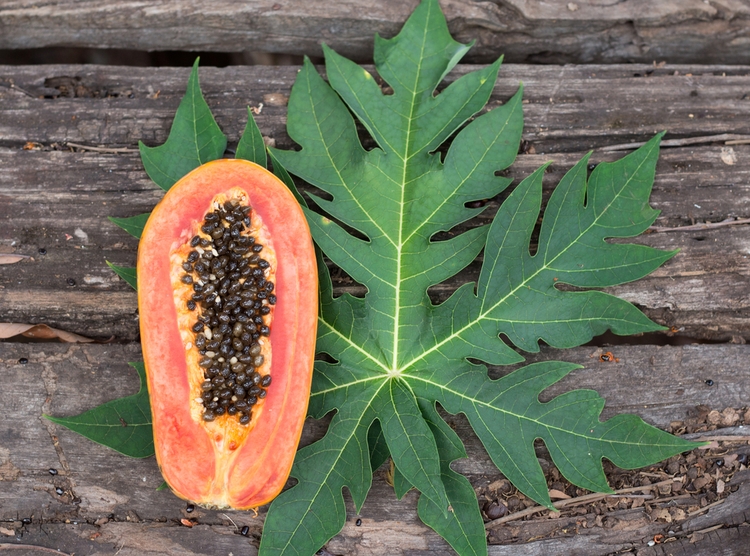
49,378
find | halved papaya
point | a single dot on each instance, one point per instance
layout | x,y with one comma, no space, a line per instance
227,296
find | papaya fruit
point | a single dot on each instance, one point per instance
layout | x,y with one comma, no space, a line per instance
227,297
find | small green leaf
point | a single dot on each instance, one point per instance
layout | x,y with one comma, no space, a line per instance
194,139
127,273
133,224
123,424
251,146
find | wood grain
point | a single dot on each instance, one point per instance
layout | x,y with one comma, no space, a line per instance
56,197
110,500
585,31
567,108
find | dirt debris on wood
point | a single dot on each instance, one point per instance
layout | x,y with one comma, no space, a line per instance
661,497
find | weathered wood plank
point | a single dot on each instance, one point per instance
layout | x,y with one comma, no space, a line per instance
584,31
568,109
59,201
725,542
133,538
396,536
110,500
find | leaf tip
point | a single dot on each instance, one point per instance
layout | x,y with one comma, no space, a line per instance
655,140
193,81
162,486
543,168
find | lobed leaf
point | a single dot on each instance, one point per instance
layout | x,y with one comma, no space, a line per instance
393,354
410,441
463,526
341,458
507,416
517,292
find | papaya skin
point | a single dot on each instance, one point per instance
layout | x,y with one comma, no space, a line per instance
223,464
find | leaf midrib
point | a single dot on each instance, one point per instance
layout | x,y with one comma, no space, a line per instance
353,344
404,166
115,426
347,385
476,402
194,121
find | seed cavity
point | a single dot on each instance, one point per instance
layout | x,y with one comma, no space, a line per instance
231,307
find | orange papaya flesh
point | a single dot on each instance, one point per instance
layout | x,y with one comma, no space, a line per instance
211,457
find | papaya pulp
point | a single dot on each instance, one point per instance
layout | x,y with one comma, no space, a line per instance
227,458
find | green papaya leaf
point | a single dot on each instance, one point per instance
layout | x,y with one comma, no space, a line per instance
393,354
133,224
123,424
127,273
251,146
194,139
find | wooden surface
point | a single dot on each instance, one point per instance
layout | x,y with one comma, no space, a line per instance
55,197
58,200
525,31
660,383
